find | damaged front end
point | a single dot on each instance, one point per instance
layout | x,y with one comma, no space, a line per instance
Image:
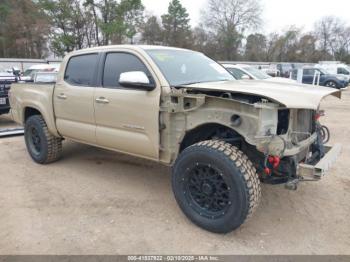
282,140
292,148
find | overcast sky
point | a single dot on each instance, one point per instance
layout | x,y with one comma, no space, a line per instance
277,14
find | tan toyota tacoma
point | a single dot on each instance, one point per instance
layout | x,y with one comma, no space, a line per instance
178,107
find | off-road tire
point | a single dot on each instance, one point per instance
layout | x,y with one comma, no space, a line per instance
238,174
50,147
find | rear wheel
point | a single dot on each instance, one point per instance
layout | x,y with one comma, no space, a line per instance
43,147
216,186
332,84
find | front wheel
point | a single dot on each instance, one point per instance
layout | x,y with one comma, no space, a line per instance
43,147
216,185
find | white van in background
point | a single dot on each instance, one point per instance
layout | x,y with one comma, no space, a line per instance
335,68
29,74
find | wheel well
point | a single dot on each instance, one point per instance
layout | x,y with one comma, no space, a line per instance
210,131
29,111
330,81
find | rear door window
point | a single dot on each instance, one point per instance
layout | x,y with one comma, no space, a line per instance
81,69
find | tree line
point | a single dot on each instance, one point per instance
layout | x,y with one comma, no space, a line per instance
36,28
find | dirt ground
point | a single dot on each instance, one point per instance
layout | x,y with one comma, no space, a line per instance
99,202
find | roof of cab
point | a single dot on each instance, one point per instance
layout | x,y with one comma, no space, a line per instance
130,47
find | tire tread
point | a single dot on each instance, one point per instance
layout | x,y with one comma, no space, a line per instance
54,144
246,167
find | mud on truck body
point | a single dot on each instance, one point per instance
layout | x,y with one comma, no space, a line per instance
221,136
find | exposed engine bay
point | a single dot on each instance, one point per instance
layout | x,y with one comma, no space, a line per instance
276,139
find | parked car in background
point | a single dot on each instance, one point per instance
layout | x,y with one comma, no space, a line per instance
252,73
271,70
325,78
29,74
285,69
45,77
6,79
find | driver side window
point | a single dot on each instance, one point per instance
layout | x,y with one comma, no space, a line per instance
118,63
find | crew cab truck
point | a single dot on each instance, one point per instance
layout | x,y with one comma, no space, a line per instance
221,136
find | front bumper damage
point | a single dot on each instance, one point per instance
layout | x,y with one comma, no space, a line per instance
308,172
307,160
319,169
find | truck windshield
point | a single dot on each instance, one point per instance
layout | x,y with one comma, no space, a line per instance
182,67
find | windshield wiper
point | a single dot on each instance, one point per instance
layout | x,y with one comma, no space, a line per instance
186,85
191,83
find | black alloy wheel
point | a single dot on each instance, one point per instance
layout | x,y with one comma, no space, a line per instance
216,185
209,191
42,146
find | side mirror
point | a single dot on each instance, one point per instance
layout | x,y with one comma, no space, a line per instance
245,77
136,79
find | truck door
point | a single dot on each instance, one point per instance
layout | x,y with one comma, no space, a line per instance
73,99
127,119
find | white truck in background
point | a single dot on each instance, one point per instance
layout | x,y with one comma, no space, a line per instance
335,67
29,74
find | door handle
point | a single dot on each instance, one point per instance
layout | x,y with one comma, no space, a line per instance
62,96
102,100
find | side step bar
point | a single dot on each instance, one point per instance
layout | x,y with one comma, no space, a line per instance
9,132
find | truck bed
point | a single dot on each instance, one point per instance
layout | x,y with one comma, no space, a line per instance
33,96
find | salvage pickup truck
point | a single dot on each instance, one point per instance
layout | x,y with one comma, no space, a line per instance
178,107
